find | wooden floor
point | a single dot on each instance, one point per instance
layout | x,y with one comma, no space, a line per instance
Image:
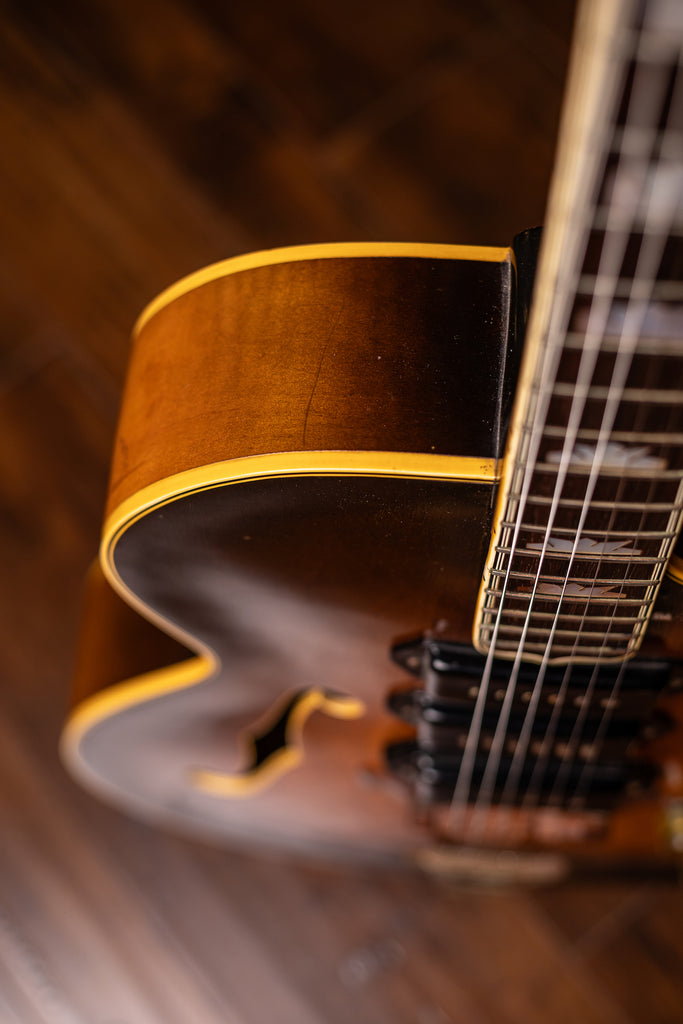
140,140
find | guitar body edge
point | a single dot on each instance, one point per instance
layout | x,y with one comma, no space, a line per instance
304,475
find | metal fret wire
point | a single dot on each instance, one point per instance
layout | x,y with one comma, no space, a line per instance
611,259
576,241
648,263
588,769
653,258
603,582
621,369
630,394
532,793
522,745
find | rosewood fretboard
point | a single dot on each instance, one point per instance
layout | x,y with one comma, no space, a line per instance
592,494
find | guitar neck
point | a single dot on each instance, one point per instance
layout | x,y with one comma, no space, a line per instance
591,498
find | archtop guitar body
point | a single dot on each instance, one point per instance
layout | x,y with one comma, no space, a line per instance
373,603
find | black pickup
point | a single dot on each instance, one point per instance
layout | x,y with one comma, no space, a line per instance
587,723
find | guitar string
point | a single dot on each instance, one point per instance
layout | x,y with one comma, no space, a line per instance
570,749
588,768
541,400
532,794
597,319
657,230
521,749
578,233
574,744
533,790
520,752
584,704
482,688
463,786
609,703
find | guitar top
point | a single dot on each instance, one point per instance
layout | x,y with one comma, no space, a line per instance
389,563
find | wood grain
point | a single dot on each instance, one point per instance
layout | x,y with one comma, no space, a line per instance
140,141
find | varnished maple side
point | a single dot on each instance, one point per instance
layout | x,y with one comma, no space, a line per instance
352,353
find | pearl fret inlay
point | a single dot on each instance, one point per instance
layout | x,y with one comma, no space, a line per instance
614,455
586,546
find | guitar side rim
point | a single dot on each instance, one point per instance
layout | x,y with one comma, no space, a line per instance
320,251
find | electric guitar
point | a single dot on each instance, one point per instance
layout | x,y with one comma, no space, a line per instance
389,563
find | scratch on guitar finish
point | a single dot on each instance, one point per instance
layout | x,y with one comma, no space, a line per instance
320,366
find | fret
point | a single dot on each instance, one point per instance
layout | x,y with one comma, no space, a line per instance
633,141
577,634
562,650
628,278
657,396
655,32
609,506
633,221
648,46
641,201
596,521
550,617
517,595
655,345
567,531
621,472
573,645
518,574
595,286
658,375
582,556
627,208
640,535
614,264
619,436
